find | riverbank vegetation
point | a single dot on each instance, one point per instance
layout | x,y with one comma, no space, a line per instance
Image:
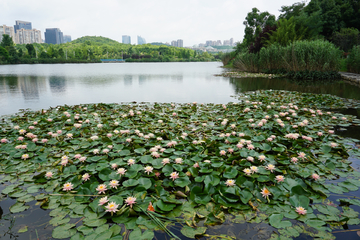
92,49
307,41
115,169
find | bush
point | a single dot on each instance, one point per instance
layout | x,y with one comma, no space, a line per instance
353,60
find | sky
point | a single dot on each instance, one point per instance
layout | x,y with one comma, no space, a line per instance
194,21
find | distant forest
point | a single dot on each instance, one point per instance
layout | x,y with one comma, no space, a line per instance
94,48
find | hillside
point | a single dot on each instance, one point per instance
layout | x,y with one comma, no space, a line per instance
96,40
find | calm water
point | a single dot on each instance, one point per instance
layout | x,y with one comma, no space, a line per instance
41,86
44,85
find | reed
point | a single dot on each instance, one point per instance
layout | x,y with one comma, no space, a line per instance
226,58
248,62
298,57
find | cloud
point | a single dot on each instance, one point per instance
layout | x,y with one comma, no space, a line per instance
194,21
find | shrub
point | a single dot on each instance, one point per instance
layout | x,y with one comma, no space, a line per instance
353,60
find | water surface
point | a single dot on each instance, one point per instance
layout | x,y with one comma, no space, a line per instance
40,86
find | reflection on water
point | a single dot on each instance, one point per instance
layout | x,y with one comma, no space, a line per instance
44,86
57,84
338,88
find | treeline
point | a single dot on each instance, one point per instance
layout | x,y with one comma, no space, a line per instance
307,41
92,49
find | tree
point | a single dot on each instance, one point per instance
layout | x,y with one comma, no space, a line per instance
31,50
61,53
346,38
6,41
4,55
261,40
292,11
254,23
333,15
286,32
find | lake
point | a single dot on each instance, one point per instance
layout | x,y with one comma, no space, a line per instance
43,86
48,85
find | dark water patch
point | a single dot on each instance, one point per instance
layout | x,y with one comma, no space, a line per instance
348,132
339,88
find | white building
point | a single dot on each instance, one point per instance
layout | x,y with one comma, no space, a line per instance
8,31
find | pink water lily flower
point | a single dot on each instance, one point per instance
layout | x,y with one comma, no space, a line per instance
174,175
103,200
130,201
49,175
68,186
112,207
121,171
265,192
148,169
230,182
131,162
165,161
279,178
114,184
315,176
101,188
301,210
85,177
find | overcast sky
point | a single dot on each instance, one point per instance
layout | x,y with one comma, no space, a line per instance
194,21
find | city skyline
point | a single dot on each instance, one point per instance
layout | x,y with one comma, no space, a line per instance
158,21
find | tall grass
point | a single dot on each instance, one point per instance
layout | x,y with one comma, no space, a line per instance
353,60
298,57
248,62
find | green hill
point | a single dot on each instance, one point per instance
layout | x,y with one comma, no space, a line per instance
97,40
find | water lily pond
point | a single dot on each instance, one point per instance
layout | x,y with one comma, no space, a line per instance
270,159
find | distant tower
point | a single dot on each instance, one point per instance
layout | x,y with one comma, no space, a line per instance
141,40
180,43
22,24
67,38
231,41
126,39
174,43
53,36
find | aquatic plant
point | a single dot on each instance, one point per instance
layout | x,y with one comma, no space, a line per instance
138,168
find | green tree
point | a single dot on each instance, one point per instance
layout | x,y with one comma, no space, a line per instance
61,53
254,22
31,50
286,32
4,55
292,11
6,41
346,38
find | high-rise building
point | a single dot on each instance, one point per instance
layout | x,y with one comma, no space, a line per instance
208,43
231,41
141,40
180,43
174,43
22,24
67,38
26,36
126,39
54,36
8,31
226,42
